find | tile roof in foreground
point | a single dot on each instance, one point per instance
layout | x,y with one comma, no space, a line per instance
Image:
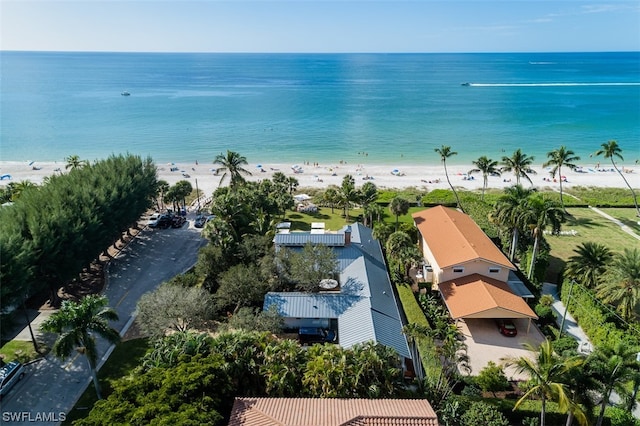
454,238
332,412
475,296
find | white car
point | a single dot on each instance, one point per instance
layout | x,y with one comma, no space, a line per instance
153,220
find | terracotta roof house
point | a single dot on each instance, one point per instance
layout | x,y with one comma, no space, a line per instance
475,279
362,306
331,412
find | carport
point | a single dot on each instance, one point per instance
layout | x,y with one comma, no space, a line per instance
477,296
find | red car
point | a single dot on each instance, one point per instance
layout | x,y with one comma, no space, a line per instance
507,328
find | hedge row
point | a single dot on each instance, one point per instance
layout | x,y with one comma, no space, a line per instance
593,318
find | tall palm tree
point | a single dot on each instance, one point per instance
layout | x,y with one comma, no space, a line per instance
398,206
330,196
520,164
347,194
612,150
487,167
508,212
75,323
622,284
162,188
74,162
558,158
539,213
589,263
614,367
445,152
547,376
231,165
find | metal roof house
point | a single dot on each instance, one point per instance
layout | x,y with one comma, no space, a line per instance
364,308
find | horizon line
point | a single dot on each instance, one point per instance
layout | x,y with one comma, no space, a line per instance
320,53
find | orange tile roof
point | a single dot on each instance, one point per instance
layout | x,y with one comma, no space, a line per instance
482,297
454,238
332,412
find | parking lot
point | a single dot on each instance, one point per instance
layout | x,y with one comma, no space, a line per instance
485,343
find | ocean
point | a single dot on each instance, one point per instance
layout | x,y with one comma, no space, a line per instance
279,108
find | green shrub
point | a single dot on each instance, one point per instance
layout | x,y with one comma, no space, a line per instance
484,414
592,318
545,313
620,417
565,345
602,197
492,378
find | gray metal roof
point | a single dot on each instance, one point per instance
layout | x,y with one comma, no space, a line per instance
366,307
299,239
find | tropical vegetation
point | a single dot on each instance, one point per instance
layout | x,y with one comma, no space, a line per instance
75,323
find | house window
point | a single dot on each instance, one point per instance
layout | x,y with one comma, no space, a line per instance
458,269
494,270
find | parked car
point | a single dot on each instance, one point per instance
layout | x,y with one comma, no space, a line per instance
507,327
10,374
153,220
200,221
310,335
177,221
164,221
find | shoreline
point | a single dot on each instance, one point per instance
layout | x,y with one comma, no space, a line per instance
426,177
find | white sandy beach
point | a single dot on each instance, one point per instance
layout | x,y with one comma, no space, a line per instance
426,177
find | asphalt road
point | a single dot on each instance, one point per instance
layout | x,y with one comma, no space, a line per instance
51,387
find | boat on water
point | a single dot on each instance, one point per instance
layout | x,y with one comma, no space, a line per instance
465,84
125,93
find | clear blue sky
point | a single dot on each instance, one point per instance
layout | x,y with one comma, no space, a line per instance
320,26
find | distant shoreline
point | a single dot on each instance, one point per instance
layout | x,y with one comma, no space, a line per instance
425,177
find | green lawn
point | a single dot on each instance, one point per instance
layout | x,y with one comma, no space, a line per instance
590,226
17,350
125,357
625,215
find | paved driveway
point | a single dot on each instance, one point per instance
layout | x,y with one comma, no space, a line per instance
51,387
485,343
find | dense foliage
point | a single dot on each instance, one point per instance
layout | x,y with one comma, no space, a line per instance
192,379
53,231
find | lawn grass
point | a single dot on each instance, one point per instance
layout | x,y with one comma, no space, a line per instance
590,226
18,350
124,358
628,216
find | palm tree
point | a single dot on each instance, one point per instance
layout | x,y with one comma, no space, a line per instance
487,167
508,212
16,189
162,188
74,162
445,152
75,323
558,158
539,213
622,285
347,194
330,196
612,150
231,165
519,164
398,206
547,376
614,367
589,263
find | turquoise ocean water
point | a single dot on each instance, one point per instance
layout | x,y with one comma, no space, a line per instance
316,107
